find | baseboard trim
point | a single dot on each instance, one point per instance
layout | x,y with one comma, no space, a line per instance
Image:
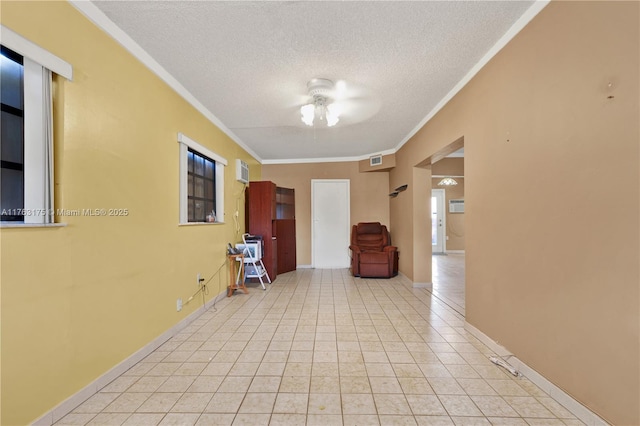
455,251
409,281
69,404
561,397
428,286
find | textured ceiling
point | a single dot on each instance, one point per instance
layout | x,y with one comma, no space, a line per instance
248,63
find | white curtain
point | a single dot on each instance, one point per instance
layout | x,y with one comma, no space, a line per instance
47,131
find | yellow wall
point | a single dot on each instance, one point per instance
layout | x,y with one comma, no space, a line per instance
369,195
552,200
78,300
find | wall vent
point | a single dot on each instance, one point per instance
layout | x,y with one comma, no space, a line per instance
242,171
456,206
376,160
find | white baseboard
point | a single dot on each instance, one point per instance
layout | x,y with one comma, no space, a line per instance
409,282
567,401
455,251
68,405
304,267
428,286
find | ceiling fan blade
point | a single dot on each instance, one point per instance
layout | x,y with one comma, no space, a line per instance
345,90
356,110
297,100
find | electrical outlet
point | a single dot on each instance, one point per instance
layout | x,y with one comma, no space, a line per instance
179,305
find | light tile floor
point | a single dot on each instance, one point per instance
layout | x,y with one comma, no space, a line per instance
320,347
448,280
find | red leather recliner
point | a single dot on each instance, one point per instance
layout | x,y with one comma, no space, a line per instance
372,256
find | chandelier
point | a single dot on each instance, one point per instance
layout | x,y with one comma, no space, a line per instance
320,108
447,182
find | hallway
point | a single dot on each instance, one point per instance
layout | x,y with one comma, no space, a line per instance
320,347
448,280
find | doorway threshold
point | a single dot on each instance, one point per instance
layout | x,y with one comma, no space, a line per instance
450,303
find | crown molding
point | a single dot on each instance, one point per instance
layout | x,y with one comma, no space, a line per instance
327,159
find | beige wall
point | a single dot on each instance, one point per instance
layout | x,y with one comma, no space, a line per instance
388,163
453,166
369,195
552,200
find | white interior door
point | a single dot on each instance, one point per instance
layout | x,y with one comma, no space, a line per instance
330,213
438,218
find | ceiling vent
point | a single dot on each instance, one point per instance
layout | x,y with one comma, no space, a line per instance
242,171
375,160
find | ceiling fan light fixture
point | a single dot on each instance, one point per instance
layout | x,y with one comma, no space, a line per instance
308,112
320,109
333,115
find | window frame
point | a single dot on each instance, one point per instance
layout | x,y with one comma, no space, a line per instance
38,66
185,144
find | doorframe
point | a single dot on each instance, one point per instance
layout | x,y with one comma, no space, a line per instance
443,195
313,227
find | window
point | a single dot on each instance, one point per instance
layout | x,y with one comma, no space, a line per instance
201,188
12,122
201,183
26,150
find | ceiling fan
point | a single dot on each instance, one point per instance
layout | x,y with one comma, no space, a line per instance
329,102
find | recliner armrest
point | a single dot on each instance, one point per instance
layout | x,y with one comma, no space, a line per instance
390,248
355,249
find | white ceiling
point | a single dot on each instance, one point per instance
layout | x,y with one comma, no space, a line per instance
247,63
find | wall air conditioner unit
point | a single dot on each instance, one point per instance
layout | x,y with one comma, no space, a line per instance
456,206
242,171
